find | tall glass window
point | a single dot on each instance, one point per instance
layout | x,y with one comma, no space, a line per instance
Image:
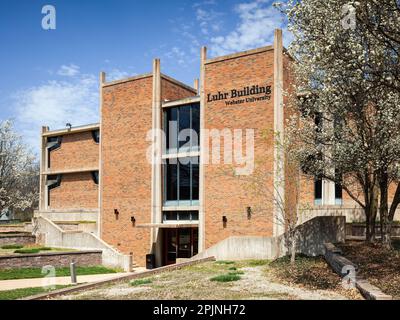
318,191
182,128
181,181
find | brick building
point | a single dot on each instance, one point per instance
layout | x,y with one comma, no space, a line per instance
177,196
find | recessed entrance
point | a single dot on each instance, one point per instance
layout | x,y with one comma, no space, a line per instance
179,243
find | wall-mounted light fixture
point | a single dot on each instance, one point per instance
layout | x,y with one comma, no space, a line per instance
68,125
133,220
116,212
249,212
224,221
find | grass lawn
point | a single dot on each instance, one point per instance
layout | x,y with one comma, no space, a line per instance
26,273
234,280
27,249
381,267
26,292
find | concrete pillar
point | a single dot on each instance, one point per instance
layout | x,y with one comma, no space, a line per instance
328,192
156,182
100,185
202,237
43,167
279,188
196,85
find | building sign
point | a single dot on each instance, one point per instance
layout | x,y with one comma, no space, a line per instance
237,96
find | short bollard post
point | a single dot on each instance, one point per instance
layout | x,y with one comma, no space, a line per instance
73,273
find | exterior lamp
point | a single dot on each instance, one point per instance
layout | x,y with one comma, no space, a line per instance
116,212
133,220
224,220
249,212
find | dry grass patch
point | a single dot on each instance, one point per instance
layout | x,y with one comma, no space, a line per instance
251,281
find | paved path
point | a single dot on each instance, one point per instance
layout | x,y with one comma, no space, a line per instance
40,282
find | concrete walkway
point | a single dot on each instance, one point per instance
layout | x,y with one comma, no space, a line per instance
41,282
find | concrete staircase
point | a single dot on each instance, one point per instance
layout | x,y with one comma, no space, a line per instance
51,234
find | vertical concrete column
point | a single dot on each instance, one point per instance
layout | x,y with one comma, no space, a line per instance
100,185
202,150
196,85
279,187
156,182
43,166
328,192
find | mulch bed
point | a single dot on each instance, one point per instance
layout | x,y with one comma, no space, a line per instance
380,266
311,273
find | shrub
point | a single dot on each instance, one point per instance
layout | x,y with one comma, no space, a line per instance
12,246
44,249
225,262
139,282
255,263
236,272
226,277
232,268
27,250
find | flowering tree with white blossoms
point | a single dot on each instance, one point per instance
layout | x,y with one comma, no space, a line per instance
347,103
19,172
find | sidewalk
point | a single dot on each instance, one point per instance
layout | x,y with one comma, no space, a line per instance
40,282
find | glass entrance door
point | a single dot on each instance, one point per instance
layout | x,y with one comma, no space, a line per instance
184,243
170,246
179,243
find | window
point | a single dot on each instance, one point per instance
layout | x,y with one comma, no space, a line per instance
96,135
182,128
338,189
318,191
180,216
95,177
181,181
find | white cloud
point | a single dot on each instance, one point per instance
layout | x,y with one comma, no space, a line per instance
68,71
54,104
117,74
177,55
258,19
208,19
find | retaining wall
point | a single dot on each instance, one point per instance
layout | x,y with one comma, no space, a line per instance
56,259
310,240
359,230
23,239
52,235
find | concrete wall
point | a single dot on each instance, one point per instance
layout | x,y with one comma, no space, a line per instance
310,241
359,230
52,235
352,214
56,259
70,215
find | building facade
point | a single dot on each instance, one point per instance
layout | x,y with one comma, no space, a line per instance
172,169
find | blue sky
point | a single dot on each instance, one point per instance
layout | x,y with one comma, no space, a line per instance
50,77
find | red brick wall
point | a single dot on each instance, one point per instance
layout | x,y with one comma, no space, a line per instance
77,191
126,174
226,194
77,150
172,91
